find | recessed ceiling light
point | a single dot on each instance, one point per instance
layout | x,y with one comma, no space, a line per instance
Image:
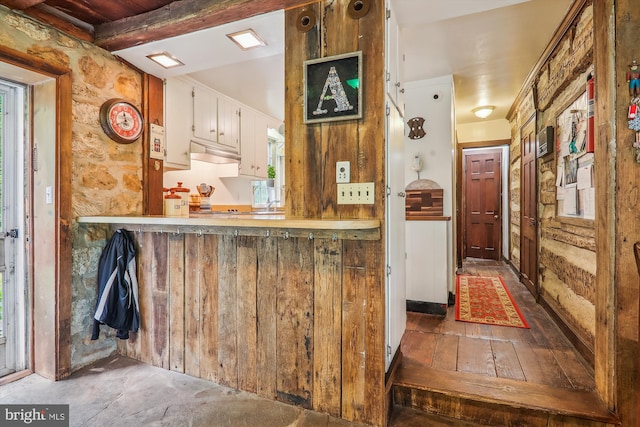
484,111
165,60
246,39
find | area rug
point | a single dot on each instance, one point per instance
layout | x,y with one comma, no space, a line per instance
486,300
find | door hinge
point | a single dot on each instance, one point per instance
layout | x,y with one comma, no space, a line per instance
388,15
388,270
388,76
388,110
388,350
388,190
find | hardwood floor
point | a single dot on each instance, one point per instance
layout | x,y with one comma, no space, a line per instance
472,374
539,355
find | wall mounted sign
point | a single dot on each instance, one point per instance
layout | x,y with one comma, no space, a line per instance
333,88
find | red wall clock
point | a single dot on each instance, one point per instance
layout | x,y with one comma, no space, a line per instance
121,120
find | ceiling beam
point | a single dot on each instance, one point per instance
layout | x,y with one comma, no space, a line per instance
21,4
182,17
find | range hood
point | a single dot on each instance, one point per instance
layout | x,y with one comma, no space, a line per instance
206,153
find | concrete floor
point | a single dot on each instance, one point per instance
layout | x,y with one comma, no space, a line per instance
122,392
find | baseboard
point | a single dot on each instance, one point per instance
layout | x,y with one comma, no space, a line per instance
585,351
427,307
513,268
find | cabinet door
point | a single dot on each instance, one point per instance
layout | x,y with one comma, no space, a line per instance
178,107
261,143
229,122
247,136
394,64
205,115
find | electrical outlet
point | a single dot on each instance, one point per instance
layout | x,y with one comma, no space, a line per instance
357,193
343,172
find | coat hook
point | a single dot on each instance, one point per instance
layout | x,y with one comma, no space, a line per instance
310,236
286,234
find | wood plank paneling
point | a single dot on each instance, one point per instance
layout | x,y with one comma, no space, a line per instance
192,313
246,315
266,364
294,356
353,331
287,318
375,339
327,326
208,268
176,302
227,312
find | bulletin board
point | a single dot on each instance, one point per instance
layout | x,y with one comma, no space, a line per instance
575,192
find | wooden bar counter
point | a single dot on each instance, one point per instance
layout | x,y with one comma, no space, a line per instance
268,304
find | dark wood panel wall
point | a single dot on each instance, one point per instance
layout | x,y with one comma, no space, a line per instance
287,319
312,151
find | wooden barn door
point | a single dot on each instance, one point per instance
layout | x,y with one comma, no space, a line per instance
483,221
528,213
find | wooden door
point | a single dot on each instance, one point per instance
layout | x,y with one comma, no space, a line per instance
528,213
483,200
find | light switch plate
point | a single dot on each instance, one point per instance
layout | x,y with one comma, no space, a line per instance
358,193
343,172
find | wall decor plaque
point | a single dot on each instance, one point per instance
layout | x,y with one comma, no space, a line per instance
333,88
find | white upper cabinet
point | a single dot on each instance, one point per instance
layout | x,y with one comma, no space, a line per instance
205,114
178,119
253,143
228,123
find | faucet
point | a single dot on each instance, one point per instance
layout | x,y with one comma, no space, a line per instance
269,203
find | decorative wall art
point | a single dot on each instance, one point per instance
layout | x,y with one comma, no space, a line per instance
416,128
333,88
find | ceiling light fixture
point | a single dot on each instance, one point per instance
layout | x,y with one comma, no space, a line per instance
484,111
247,39
165,60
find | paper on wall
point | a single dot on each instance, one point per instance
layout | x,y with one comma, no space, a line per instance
584,177
589,195
560,175
571,200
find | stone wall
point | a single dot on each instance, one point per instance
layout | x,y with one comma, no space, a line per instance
566,248
106,175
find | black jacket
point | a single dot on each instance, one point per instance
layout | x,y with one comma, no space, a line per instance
117,304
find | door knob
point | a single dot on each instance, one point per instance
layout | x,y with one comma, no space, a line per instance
495,216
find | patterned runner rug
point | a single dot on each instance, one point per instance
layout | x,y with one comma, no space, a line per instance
486,300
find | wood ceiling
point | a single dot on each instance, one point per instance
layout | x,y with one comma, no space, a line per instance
119,24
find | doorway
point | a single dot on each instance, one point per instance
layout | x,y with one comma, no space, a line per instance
483,200
13,282
528,213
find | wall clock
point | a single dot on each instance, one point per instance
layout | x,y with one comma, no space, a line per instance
121,120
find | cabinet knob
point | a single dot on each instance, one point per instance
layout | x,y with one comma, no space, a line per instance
221,133
257,168
212,131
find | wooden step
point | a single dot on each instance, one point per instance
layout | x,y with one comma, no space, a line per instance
496,401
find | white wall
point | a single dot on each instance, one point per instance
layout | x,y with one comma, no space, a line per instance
432,100
437,147
486,130
229,191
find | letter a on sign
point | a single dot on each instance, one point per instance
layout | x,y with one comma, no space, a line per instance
338,94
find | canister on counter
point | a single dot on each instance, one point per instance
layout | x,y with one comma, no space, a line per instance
172,204
194,203
183,192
